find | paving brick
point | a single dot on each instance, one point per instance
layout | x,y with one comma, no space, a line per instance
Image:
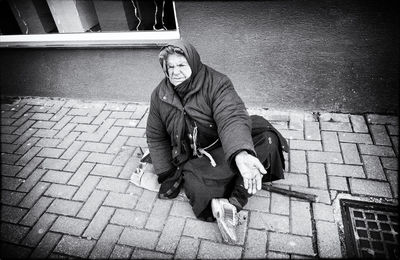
345,170
6,138
53,164
100,158
23,160
85,128
12,233
117,144
271,222
350,153
68,141
393,181
29,167
45,133
330,141
121,252
62,122
64,207
11,198
107,241
8,158
121,200
111,184
292,134
8,130
111,134
159,214
10,170
298,161
72,150
27,145
74,246
323,212
255,245
24,127
139,112
317,176
60,191
86,188
99,222
291,244
324,157
300,218
296,121
279,204
338,183
126,122
373,167
170,235
36,234
25,136
36,211
305,145
187,248
48,142
21,111
146,200
43,124
143,121
82,119
10,183
322,195
380,135
336,126
370,188
137,142
80,175
92,204
390,163
258,203
311,131
395,141
70,226
334,117
101,117
211,250
376,150
392,129
123,156
46,245
20,121
57,176
139,238
359,125
60,113
51,152
382,119
328,240
8,148
130,131
12,214
132,218
35,193
76,161
149,254
296,179
201,229
106,170
95,147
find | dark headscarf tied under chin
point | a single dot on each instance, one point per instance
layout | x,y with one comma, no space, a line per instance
197,67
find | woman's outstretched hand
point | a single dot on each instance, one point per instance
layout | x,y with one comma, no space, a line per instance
251,170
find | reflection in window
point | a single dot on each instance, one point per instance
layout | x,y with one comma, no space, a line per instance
73,16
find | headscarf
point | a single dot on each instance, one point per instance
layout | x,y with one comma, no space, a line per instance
196,80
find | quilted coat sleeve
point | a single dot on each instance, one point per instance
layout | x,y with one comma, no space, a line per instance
158,139
232,119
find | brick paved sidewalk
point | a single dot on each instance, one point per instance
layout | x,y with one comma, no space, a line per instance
65,166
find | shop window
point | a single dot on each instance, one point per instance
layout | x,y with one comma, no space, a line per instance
47,23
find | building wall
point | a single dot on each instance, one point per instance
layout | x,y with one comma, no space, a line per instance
312,55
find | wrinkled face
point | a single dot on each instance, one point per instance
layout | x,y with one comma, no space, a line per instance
178,69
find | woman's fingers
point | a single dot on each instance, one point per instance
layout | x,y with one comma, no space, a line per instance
258,181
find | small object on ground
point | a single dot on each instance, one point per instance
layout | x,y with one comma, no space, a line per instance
297,194
145,177
227,219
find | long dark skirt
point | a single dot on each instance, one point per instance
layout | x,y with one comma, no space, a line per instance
202,182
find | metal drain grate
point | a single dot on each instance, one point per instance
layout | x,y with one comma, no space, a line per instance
371,230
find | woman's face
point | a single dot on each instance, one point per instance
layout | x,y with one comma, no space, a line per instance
178,69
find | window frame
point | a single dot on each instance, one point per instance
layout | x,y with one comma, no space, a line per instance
92,39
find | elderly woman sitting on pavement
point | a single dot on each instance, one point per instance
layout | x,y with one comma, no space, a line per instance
202,139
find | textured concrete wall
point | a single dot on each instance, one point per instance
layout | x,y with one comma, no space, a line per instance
313,55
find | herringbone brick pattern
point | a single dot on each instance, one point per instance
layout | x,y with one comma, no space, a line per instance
66,164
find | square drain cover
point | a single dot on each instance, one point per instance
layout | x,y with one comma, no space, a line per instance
371,230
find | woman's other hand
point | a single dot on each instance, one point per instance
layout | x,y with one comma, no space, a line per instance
251,170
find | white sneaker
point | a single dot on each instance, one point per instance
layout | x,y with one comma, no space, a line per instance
226,216
145,177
